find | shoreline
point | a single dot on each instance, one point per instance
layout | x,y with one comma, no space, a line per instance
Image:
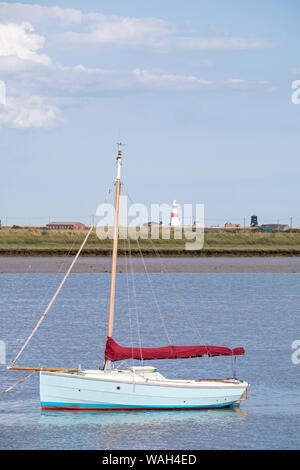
85,265
176,253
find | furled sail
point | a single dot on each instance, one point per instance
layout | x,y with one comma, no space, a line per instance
115,352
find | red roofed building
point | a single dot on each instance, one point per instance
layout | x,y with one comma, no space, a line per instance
65,226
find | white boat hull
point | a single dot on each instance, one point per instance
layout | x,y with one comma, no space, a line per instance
128,390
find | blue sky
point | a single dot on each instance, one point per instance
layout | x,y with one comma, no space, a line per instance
200,93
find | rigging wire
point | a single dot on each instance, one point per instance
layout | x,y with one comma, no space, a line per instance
149,281
154,295
128,301
135,302
187,313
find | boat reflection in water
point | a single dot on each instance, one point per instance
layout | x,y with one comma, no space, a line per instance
223,416
152,429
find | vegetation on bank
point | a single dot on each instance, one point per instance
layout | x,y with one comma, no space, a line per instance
38,242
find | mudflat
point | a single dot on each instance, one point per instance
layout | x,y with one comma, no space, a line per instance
154,265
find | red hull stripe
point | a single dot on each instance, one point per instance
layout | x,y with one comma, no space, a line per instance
136,409
125,408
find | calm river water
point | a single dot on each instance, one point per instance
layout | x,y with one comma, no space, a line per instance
257,311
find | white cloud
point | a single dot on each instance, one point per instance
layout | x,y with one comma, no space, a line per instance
18,40
104,30
171,81
19,12
95,28
100,29
20,59
222,43
2,92
37,86
121,31
30,112
78,80
166,81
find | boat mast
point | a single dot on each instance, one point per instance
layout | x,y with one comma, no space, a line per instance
107,364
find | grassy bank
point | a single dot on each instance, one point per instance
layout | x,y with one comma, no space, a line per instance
36,242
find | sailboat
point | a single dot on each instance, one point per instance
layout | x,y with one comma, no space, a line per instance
134,387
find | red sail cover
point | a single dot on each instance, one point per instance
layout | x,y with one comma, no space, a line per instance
114,352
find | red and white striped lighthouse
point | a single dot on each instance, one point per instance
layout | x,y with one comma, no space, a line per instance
174,215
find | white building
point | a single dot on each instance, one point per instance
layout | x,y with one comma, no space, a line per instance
174,215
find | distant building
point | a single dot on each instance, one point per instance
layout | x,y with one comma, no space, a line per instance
273,227
149,224
230,225
253,222
65,226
